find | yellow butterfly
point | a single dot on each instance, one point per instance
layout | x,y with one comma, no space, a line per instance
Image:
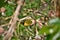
27,22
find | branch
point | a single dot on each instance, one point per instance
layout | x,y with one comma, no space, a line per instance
14,20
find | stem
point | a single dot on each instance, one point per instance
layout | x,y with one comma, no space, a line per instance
14,20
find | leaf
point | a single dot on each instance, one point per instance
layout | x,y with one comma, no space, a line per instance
44,30
2,3
9,10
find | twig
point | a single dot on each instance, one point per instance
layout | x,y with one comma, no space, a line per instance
43,1
14,20
4,25
25,18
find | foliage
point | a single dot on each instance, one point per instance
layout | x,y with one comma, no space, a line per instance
24,30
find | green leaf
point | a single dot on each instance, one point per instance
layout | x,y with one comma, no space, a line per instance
2,3
9,10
